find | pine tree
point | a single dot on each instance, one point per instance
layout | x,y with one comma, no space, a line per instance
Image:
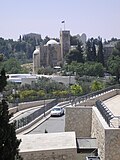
8,141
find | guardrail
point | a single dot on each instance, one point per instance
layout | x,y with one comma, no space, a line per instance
105,112
26,120
93,94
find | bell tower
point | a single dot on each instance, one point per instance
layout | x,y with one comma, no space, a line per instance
65,42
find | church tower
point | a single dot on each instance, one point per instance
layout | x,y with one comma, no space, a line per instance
65,42
36,60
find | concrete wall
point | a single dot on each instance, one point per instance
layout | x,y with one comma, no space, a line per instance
79,119
112,144
68,154
28,105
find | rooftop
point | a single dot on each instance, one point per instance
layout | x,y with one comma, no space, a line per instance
47,141
113,104
87,143
52,42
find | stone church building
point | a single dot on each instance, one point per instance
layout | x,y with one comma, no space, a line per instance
52,53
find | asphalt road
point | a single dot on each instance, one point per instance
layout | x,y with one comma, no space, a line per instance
52,125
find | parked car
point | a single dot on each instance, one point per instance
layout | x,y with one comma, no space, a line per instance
57,111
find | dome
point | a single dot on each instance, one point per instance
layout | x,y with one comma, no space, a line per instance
52,42
36,51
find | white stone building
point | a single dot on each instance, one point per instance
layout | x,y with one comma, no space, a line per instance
52,53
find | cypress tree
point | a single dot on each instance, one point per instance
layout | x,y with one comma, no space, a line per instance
100,51
8,141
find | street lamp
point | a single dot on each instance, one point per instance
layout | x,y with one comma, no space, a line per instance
15,97
44,102
69,82
1,96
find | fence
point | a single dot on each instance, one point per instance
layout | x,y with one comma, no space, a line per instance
106,113
26,120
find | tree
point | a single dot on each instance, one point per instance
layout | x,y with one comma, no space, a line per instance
88,50
96,85
100,51
116,50
76,89
12,66
75,54
73,40
3,81
114,66
93,56
8,141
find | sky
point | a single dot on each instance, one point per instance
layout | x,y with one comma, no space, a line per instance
92,17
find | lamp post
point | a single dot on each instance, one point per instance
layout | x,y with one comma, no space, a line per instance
15,97
44,102
1,96
69,82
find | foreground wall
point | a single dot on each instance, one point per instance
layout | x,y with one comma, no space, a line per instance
79,119
112,144
50,146
108,138
98,131
62,154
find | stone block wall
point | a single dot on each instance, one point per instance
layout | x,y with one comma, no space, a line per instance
63,154
79,119
112,144
98,131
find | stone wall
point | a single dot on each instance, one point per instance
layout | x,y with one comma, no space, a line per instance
79,119
98,131
102,97
112,144
68,154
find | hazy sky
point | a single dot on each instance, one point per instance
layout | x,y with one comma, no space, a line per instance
93,17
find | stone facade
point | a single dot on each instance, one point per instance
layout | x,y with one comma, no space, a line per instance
69,154
112,144
52,53
65,42
108,138
98,131
88,122
79,119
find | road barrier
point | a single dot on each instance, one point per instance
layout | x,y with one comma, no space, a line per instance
26,120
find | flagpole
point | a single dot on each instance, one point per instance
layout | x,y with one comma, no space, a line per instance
64,24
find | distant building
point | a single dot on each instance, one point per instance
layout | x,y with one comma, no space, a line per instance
52,53
82,38
108,49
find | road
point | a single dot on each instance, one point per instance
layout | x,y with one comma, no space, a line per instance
52,125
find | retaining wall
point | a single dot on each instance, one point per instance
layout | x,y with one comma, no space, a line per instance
79,119
102,97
